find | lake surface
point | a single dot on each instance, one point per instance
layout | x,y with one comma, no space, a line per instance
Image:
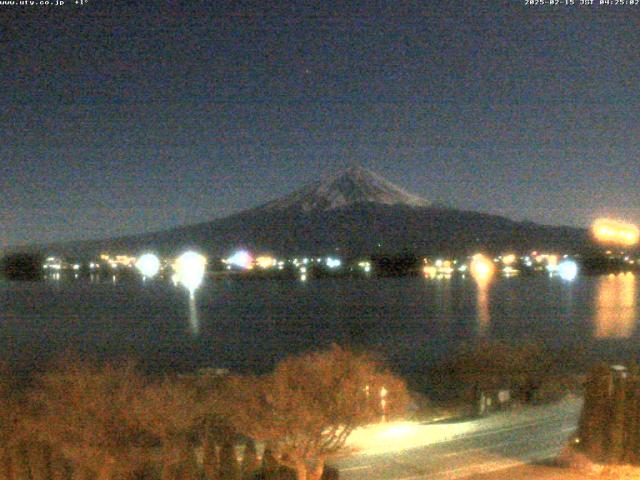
249,324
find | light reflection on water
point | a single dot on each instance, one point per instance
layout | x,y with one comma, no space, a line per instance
194,322
482,271
615,306
483,285
252,323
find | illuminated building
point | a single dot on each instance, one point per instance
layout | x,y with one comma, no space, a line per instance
509,259
118,260
265,262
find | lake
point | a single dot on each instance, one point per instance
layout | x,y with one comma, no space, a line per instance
249,324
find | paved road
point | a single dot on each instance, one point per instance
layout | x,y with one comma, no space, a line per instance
460,449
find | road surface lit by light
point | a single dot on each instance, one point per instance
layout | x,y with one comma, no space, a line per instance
454,450
398,436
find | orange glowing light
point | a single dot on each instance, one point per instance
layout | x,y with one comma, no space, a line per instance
482,269
616,307
509,259
608,231
265,261
430,271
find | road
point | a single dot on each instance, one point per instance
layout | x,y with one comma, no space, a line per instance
408,451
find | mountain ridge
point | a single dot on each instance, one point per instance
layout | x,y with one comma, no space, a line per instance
354,212
354,185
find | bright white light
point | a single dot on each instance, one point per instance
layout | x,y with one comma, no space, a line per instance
149,265
242,259
568,270
190,267
333,262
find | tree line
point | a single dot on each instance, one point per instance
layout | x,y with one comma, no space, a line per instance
84,421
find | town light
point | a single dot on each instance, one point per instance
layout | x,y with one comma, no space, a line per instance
333,262
148,265
568,270
266,262
190,268
482,269
509,259
608,231
242,259
430,271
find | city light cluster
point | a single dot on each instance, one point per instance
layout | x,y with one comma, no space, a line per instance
481,267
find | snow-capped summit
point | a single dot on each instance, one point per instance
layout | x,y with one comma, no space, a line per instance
353,185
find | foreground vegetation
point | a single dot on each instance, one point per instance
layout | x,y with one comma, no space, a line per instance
87,421
110,422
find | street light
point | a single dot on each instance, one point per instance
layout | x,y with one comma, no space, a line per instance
482,269
148,265
189,271
190,268
568,270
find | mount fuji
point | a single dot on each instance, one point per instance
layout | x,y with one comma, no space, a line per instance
354,212
352,186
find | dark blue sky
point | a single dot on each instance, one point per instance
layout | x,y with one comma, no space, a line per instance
117,120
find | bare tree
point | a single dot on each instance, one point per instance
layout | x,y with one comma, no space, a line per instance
21,456
171,411
86,413
249,460
310,404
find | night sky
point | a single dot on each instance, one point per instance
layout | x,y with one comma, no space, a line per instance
130,118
